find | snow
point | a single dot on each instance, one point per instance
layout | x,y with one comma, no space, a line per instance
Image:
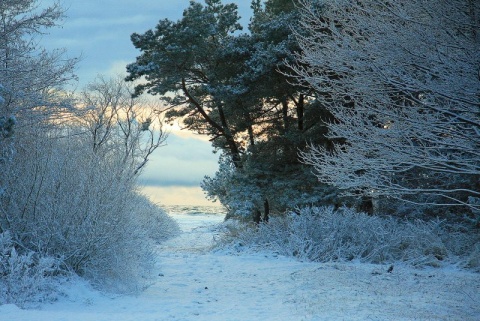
195,283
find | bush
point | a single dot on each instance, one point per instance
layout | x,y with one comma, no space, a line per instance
323,234
473,260
159,226
62,199
244,193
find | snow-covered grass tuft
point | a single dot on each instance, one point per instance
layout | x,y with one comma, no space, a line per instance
323,234
472,259
26,279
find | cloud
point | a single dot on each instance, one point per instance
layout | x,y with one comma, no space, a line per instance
183,161
174,173
99,31
117,67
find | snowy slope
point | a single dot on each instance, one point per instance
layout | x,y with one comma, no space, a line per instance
194,283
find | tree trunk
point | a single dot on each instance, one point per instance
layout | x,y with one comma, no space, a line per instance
222,128
300,111
475,23
257,216
250,135
266,214
232,145
285,114
366,205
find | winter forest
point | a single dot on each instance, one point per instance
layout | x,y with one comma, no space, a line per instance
348,131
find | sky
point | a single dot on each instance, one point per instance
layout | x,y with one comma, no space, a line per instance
99,32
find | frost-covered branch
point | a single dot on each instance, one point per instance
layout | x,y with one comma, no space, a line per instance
401,80
31,76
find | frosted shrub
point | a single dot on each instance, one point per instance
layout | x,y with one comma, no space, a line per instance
154,220
63,199
25,278
463,242
124,261
244,193
324,234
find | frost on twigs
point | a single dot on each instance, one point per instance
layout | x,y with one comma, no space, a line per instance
68,189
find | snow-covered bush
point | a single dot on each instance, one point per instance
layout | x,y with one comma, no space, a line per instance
70,189
244,192
26,278
324,234
154,220
63,199
68,185
6,125
473,260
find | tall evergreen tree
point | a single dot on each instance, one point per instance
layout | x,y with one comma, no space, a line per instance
287,117
232,86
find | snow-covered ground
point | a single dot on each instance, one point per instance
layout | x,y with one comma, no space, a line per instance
194,283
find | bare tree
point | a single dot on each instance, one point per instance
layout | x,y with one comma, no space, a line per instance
121,123
402,80
63,201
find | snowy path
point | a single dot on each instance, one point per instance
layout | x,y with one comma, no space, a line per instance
194,283
217,286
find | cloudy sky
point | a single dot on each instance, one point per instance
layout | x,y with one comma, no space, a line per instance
99,31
